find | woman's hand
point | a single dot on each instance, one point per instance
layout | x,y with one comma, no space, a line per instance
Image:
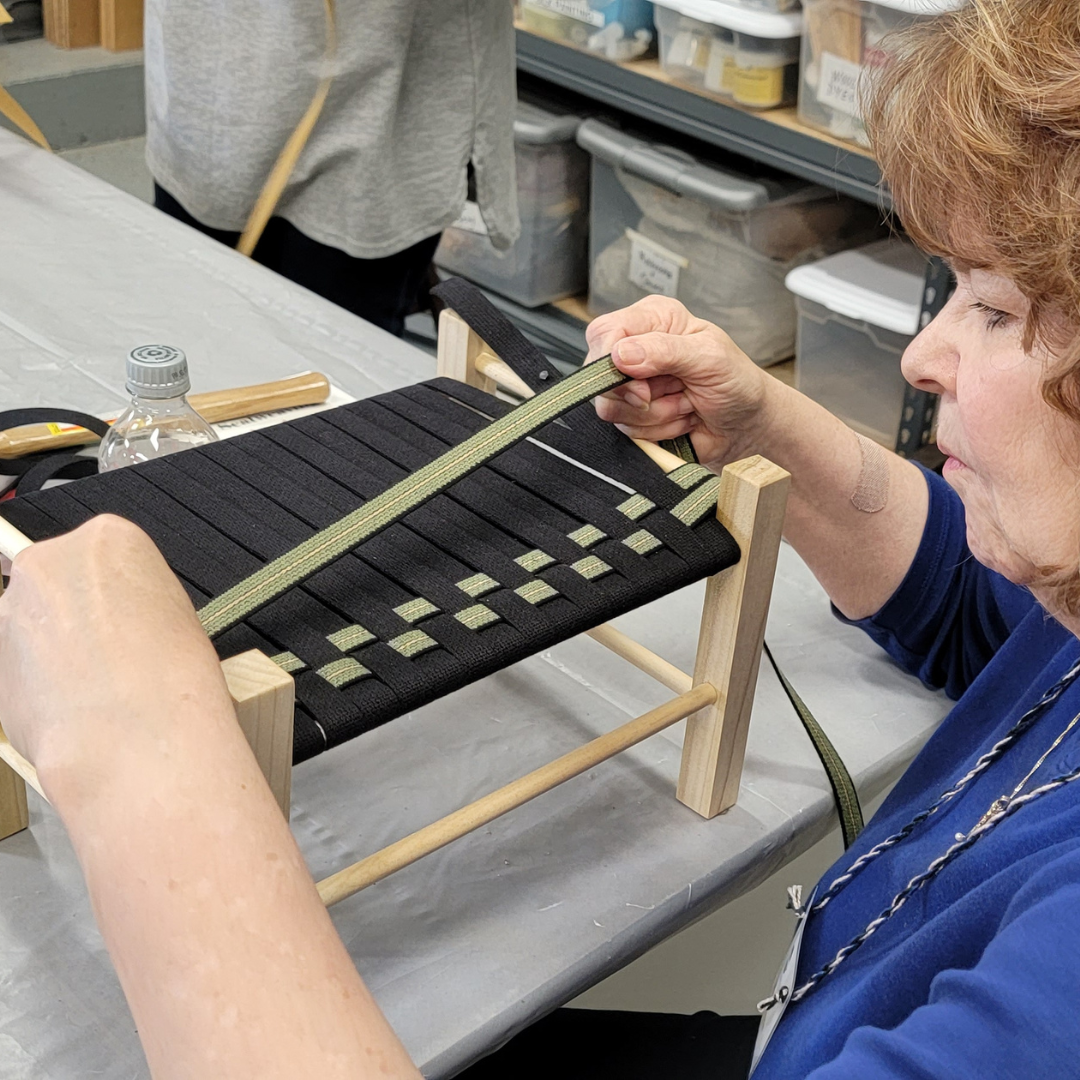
100,650
689,378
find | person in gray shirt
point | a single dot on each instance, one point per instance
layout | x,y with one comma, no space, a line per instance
422,101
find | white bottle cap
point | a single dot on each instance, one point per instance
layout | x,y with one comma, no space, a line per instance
157,371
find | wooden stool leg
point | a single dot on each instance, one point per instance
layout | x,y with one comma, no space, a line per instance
751,504
264,695
458,350
14,816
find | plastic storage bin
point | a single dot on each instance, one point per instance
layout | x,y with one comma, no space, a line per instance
550,258
841,40
617,29
745,54
858,310
720,242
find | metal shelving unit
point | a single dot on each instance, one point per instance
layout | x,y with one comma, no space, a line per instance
640,89
774,138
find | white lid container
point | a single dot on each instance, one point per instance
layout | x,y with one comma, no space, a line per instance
880,284
921,7
743,20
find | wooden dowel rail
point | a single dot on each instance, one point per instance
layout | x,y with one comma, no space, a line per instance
646,660
11,540
408,850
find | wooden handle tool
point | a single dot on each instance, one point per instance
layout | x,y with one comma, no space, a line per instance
308,388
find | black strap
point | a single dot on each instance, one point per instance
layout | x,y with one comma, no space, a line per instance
33,470
12,418
508,342
58,466
843,787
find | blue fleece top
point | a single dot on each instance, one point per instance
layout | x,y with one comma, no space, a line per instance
979,974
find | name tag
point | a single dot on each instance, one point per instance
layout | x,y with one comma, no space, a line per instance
773,1008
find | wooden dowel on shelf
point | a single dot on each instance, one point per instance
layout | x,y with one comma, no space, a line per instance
464,821
645,659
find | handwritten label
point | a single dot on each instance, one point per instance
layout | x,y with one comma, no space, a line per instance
838,85
581,10
652,267
471,220
720,71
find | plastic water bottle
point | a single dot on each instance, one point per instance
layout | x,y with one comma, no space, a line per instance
159,420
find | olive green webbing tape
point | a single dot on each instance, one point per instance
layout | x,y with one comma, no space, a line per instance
847,798
277,577
681,446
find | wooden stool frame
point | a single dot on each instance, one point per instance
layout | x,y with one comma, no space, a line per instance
716,700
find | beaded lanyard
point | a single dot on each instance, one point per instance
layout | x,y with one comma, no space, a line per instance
939,864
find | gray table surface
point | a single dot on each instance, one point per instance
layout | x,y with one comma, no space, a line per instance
468,946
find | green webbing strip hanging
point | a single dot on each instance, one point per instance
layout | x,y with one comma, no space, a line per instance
277,577
847,798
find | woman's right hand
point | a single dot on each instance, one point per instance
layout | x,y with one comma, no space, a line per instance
689,378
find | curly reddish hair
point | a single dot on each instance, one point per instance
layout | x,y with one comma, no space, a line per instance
976,125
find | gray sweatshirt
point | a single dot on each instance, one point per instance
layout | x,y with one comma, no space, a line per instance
421,88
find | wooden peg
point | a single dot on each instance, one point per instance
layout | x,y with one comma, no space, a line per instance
750,504
264,696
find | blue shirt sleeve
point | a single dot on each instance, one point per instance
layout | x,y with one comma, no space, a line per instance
1012,1014
950,614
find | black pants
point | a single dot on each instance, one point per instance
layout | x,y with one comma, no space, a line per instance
383,291
587,1044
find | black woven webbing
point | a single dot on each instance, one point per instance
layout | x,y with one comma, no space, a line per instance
503,337
220,512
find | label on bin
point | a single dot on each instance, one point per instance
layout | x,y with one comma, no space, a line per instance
581,10
652,267
838,84
471,220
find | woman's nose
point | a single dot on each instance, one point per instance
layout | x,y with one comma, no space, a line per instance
929,362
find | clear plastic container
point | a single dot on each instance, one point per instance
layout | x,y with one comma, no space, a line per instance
858,312
550,259
742,53
616,29
159,420
663,222
842,39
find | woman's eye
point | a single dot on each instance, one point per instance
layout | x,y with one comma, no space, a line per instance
994,316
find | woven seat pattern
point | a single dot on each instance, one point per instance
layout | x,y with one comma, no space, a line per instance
554,536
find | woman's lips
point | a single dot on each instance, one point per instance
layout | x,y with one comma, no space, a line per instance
952,462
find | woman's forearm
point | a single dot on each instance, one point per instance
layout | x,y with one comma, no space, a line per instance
859,557
228,959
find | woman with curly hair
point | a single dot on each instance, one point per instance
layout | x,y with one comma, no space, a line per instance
946,942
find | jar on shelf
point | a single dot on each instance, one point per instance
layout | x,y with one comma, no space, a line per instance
747,54
843,40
